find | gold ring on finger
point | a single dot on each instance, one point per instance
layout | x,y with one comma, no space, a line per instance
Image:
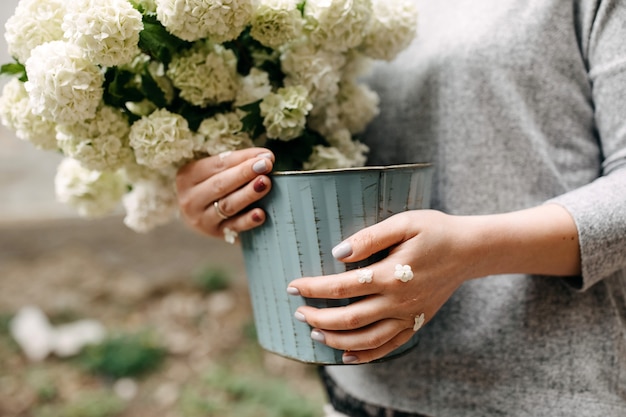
220,213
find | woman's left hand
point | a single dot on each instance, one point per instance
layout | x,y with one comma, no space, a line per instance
442,251
391,310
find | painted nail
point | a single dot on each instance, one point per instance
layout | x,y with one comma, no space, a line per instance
265,155
260,185
260,166
300,317
318,336
342,250
256,217
293,291
348,359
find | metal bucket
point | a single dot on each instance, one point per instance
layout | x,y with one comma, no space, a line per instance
309,212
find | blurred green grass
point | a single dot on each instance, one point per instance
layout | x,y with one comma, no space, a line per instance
239,381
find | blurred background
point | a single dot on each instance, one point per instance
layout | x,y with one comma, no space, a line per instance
97,320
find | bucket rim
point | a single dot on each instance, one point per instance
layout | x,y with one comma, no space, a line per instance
352,169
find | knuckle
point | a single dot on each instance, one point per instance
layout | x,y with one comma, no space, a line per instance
374,341
185,203
367,239
226,207
352,321
338,290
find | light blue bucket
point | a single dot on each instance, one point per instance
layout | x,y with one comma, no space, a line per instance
308,213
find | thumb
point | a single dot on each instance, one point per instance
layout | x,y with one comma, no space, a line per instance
371,240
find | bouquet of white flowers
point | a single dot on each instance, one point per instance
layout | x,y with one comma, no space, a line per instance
130,90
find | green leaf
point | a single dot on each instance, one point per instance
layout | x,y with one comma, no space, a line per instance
253,121
14,68
152,90
120,87
301,7
244,47
157,42
292,154
196,114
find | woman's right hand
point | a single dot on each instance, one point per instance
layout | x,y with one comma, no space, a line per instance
215,192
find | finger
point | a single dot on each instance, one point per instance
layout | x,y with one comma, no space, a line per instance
235,203
240,199
372,240
344,285
196,200
370,337
354,316
364,356
246,221
199,170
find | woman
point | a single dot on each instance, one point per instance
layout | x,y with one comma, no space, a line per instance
519,269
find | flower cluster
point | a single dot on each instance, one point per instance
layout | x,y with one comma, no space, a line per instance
130,90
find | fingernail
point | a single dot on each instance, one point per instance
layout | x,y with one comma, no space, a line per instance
342,250
260,185
256,217
300,317
260,166
265,155
318,336
293,291
348,359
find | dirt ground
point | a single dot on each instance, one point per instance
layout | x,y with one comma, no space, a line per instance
99,269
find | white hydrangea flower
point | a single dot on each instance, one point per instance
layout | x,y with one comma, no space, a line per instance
276,22
100,143
162,139
136,172
358,106
63,85
92,193
418,322
365,275
393,28
16,114
354,151
230,235
318,70
403,273
219,20
357,65
150,204
156,70
284,112
108,31
343,152
33,23
324,119
222,133
253,87
325,157
205,74
141,108
337,25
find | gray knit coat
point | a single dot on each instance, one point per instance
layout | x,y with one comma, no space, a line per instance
516,102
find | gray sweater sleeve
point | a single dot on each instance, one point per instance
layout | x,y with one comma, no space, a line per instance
599,209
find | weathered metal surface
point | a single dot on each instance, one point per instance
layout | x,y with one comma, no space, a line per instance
309,213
